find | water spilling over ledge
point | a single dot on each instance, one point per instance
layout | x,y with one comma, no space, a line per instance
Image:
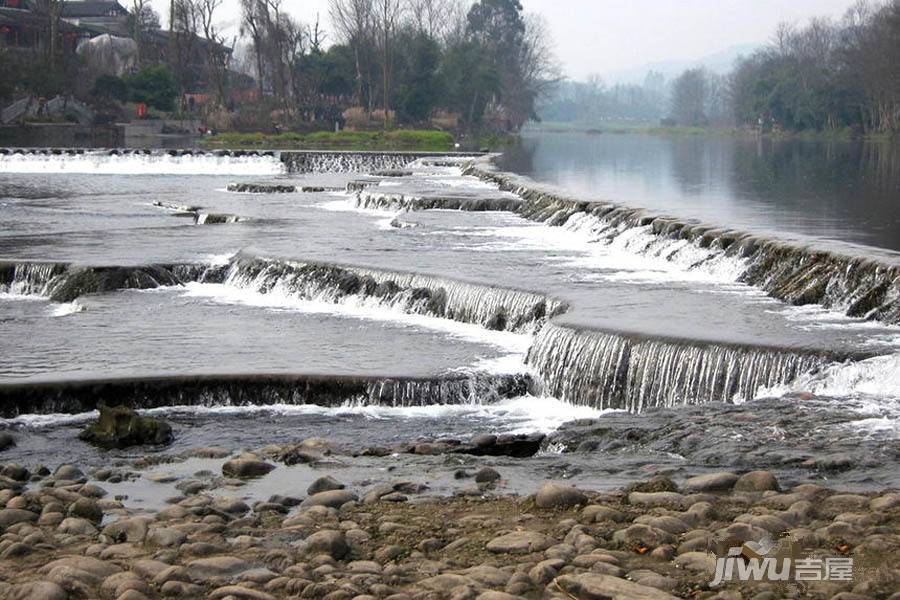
601,369
206,162
860,284
613,370
501,309
61,282
78,396
388,201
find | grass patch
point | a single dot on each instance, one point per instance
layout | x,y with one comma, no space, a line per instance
398,139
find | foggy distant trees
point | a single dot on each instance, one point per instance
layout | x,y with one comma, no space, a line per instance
699,99
689,93
592,101
824,76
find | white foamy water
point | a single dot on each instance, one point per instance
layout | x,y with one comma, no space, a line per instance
67,308
525,414
359,308
877,377
101,163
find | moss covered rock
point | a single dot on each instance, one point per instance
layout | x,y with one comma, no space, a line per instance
121,427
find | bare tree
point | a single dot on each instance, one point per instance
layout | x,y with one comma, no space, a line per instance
353,21
50,13
689,98
216,53
254,15
387,19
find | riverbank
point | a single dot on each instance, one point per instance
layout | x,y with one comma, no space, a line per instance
431,141
74,533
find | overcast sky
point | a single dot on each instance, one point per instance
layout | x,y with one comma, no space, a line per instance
600,36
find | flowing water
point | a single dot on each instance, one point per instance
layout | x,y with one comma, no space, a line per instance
380,298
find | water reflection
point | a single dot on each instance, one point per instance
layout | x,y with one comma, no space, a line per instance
845,191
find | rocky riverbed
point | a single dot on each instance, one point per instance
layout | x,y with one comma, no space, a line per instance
70,533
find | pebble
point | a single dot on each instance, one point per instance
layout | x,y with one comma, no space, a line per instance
324,484
553,495
332,498
519,542
246,468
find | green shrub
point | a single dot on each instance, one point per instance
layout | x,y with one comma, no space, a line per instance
155,86
108,88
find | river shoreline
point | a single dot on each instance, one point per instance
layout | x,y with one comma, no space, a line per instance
65,536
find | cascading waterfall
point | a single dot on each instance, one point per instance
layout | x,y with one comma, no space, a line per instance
256,390
346,162
608,370
491,307
373,199
29,278
860,286
61,282
201,162
132,161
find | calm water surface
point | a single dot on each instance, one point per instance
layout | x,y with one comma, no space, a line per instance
832,191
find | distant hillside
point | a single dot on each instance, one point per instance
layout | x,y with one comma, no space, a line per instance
718,62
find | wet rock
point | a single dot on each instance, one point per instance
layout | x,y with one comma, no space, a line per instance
6,441
261,188
15,472
11,516
97,568
16,549
116,585
394,497
658,483
519,542
884,503
68,473
487,475
445,583
495,595
181,589
712,482
217,567
246,468
324,484
121,427
86,508
37,590
596,586
553,495
756,481
516,446
166,537
696,561
596,513
651,499
239,592
640,535
132,529
328,541
333,499
231,506
76,526
171,573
